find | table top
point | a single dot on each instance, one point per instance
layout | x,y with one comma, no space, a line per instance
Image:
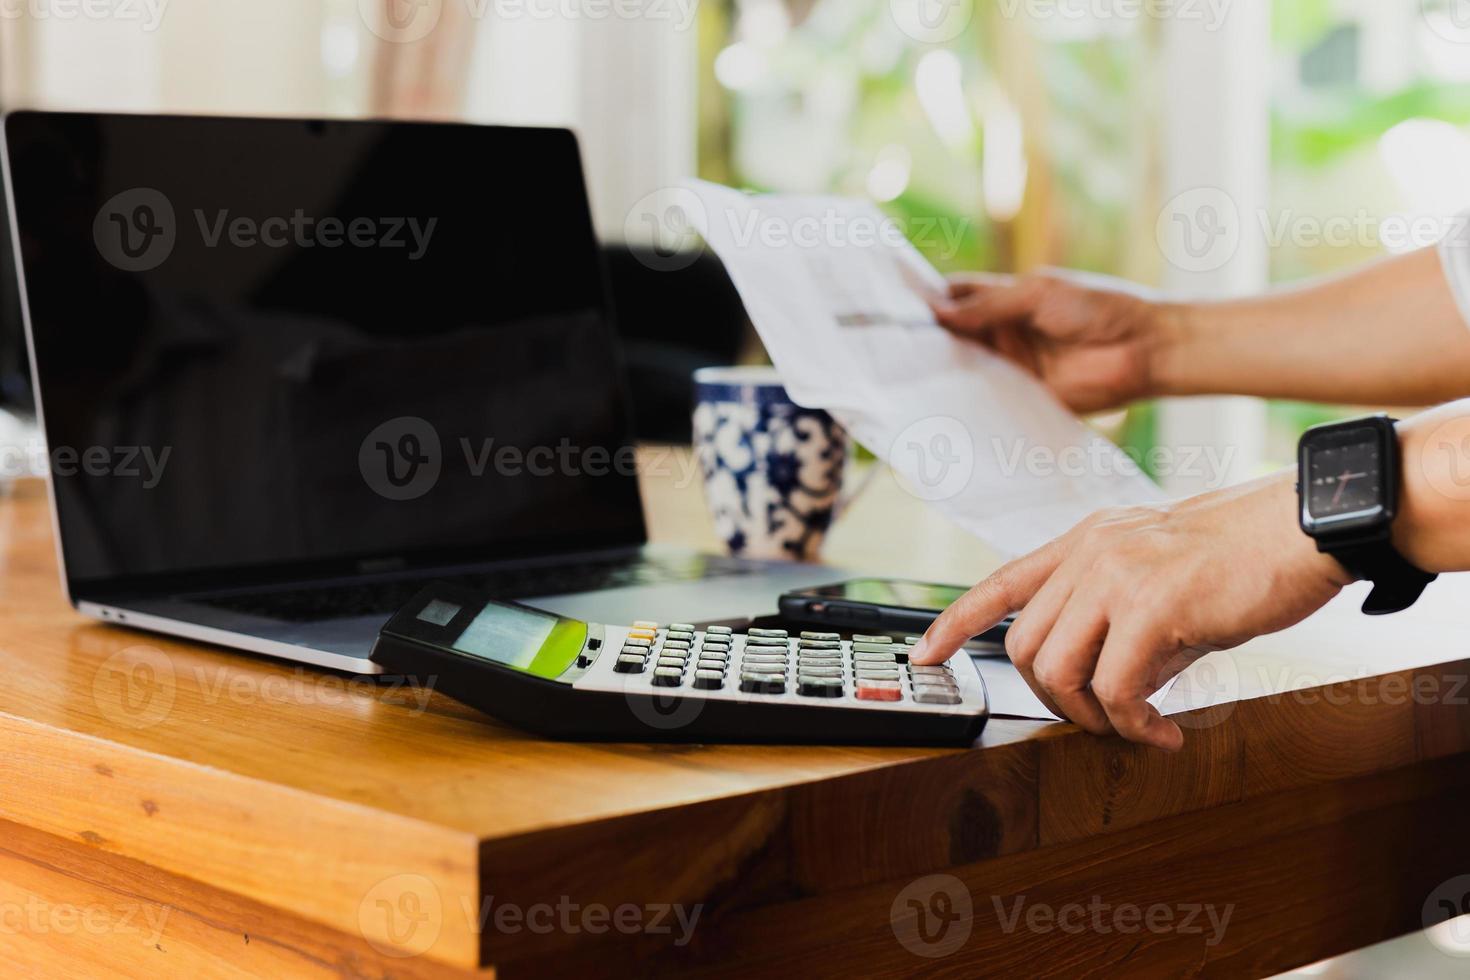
313,792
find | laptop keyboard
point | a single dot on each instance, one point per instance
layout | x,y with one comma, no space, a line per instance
305,604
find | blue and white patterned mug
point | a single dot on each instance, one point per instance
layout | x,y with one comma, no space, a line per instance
772,469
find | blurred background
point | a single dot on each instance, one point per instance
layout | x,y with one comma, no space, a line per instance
1049,132
1101,135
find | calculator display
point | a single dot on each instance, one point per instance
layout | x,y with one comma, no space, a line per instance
526,639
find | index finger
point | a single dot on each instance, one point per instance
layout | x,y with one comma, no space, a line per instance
985,306
1006,590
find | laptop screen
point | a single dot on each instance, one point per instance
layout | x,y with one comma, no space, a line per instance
315,348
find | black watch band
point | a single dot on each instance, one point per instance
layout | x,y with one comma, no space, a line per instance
1397,583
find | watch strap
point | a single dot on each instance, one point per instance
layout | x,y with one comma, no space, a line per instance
1397,583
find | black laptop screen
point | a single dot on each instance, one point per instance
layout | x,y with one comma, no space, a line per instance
265,345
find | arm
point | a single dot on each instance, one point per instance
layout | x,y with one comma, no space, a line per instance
1388,333
1130,597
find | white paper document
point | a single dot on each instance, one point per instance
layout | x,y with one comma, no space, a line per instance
837,295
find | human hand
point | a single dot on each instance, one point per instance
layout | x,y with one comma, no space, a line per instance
1094,347
1115,607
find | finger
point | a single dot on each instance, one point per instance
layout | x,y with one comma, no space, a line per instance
964,283
986,307
1064,666
1124,679
995,598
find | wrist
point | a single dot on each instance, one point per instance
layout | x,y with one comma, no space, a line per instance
1173,340
1432,527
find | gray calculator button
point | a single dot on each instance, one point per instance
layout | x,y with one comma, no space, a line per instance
716,641
866,638
711,665
876,675
629,663
762,668
763,656
636,641
709,680
716,655
676,644
765,641
910,640
667,677
818,645
875,658
863,647
671,662
818,687
775,634
681,627
830,657
806,670
809,635
935,695
927,673
719,631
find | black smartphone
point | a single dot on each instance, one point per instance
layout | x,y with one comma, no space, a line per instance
889,605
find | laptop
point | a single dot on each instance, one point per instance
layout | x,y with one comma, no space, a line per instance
289,371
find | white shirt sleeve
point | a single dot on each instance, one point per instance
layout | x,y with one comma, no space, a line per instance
1454,258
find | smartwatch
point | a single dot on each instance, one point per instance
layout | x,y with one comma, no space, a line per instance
1348,476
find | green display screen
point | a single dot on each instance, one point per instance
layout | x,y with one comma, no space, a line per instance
526,639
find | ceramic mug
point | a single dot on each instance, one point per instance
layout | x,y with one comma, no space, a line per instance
772,470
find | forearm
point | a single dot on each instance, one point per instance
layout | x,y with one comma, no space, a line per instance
1389,333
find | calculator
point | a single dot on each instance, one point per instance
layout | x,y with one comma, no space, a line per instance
652,681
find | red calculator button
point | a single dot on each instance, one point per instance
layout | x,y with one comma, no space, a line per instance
879,691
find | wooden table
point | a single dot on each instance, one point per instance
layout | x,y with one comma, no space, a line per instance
171,809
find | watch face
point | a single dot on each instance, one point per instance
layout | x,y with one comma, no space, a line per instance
1345,476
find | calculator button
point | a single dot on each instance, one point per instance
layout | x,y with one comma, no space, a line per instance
818,645
681,627
808,635
674,662
717,641
818,687
939,670
879,690
644,634
910,640
762,684
807,670
770,634
936,695
629,663
765,641
681,634
709,680
667,677
876,674
719,631
776,667
864,647
676,644
637,641
865,638
711,665
718,656
875,658
644,624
